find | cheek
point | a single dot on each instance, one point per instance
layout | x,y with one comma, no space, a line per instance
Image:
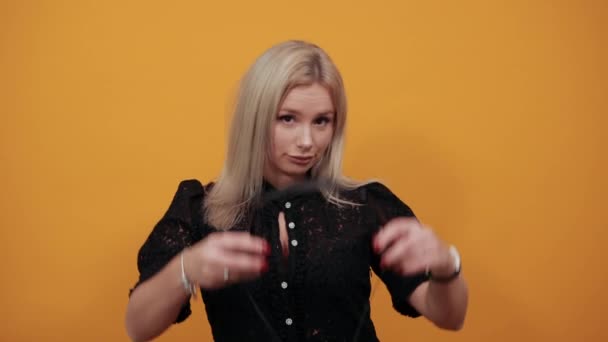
280,138
324,139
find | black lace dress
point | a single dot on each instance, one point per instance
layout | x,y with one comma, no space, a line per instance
321,293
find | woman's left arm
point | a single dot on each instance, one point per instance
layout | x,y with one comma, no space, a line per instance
407,248
443,304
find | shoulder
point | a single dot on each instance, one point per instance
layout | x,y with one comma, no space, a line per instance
193,187
190,185
187,199
188,191
378,195
378,189
375,189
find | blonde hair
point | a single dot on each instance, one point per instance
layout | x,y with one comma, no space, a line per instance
262,90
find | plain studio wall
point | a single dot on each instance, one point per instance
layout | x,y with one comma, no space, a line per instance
487,117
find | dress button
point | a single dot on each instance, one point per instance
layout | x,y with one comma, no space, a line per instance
294,242
289,321
284,284
288,205
291,225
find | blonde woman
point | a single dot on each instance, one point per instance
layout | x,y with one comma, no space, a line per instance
275,260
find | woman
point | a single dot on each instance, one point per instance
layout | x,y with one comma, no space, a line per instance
276,260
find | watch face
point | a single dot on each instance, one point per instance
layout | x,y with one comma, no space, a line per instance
456,257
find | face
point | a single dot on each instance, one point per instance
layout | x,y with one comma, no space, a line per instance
301,132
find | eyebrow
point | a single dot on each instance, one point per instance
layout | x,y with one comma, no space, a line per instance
293,111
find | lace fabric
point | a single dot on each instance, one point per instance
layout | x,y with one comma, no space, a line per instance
319,293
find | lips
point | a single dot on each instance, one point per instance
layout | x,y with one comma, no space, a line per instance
301,160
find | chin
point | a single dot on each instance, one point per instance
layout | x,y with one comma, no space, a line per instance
296,172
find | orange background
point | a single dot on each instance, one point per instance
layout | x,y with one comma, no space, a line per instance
487,118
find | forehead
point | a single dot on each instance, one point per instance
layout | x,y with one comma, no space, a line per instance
313,98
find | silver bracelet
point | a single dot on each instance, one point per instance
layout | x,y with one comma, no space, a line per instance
188,286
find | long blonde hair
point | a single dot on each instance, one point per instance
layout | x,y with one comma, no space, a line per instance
262,90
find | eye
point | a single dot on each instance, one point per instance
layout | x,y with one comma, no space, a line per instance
286,118
322,121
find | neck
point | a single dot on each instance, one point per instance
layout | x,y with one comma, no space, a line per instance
281,181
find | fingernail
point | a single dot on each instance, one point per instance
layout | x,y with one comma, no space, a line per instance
264,266
266,248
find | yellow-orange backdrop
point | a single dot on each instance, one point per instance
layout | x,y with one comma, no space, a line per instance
486,117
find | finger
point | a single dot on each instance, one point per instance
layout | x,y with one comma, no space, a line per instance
417,260
244,262
396,254
411,268
243,266
244,242
391,231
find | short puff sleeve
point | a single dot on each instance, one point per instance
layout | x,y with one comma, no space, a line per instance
171,234
383,206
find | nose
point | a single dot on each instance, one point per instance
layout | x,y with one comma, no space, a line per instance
304,139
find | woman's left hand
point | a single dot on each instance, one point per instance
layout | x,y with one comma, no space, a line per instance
408,247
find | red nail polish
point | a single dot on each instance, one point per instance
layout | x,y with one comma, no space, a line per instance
265,266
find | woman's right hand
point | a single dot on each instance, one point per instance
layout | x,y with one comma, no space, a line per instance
225,258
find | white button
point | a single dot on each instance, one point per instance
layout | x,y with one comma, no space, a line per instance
284,284
288,205
294,242
291,225
288,321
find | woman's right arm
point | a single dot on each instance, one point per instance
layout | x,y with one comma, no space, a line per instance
156,303
158,296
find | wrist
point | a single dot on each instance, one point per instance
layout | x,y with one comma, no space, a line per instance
188,285
448,269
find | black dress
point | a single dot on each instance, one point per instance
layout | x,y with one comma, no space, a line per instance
320,294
